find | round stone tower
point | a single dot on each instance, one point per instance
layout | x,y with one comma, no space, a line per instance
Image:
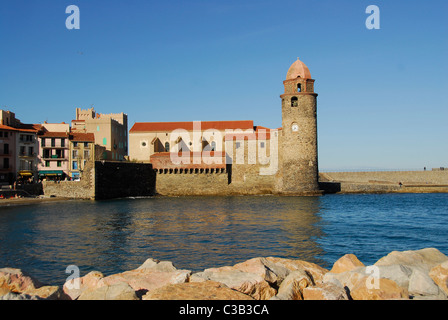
298,146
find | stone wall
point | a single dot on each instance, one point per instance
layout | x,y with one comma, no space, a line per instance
439,177
83,189
237,180
106,180
116,179
385,182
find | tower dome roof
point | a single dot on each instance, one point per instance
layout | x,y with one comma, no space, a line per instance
298,69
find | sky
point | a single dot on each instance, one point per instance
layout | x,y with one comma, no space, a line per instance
382,93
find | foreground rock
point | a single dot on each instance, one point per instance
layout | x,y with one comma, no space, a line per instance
419,274
207,290
17,285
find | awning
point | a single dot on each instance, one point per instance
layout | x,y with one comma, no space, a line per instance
25,173
51,173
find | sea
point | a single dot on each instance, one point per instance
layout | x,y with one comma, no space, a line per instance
47,239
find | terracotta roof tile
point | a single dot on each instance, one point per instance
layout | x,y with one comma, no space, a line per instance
205,125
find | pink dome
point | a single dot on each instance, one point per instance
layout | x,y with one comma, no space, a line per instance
298,69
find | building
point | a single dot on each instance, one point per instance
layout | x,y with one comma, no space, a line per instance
190,157
81,150
27,147
18,149
53,155
110,130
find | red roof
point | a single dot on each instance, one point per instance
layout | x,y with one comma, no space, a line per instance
204,125
81,136
52,134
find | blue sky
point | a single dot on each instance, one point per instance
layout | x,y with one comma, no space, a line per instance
383,94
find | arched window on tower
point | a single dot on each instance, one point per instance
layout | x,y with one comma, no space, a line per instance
167,147
294,102
299,87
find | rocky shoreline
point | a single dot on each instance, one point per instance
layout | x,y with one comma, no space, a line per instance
417,275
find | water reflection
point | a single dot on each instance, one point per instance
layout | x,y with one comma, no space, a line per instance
193,232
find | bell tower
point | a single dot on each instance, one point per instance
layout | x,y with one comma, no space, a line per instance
298,147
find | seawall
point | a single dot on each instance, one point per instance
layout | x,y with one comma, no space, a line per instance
430,181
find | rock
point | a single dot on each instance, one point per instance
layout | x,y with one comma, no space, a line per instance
386,290
327,291
314,271
272,272
15,280
75,287
18,296
420,283
245,282
424,259
18,282
346,263
207,290
347,279
292,286
398,273
439,274
118,291
151,275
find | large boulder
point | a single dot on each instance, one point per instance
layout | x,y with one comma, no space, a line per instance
385,290
293,285
439,274
75,287
347,262
326,291
245,282
314,271
151,275
117,291
19,283
207,290
424,259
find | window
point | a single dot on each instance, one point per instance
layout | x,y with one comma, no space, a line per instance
86,154
261,144
167,147
299,87
75,154
97,128
75,165
213,146
47,163
59,163
30,151
86,144
1,134
22,150
294,102
6,148
75,144
47,153
62,142
42,142
53,142
238,145
104,141
5,163
143,144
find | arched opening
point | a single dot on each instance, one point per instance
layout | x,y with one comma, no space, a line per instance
294,102
299,87
213,144
167,147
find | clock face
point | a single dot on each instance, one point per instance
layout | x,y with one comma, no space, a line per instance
295,127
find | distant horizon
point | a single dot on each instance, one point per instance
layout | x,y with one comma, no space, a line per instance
381,103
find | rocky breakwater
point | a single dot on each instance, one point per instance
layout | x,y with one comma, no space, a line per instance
420,274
